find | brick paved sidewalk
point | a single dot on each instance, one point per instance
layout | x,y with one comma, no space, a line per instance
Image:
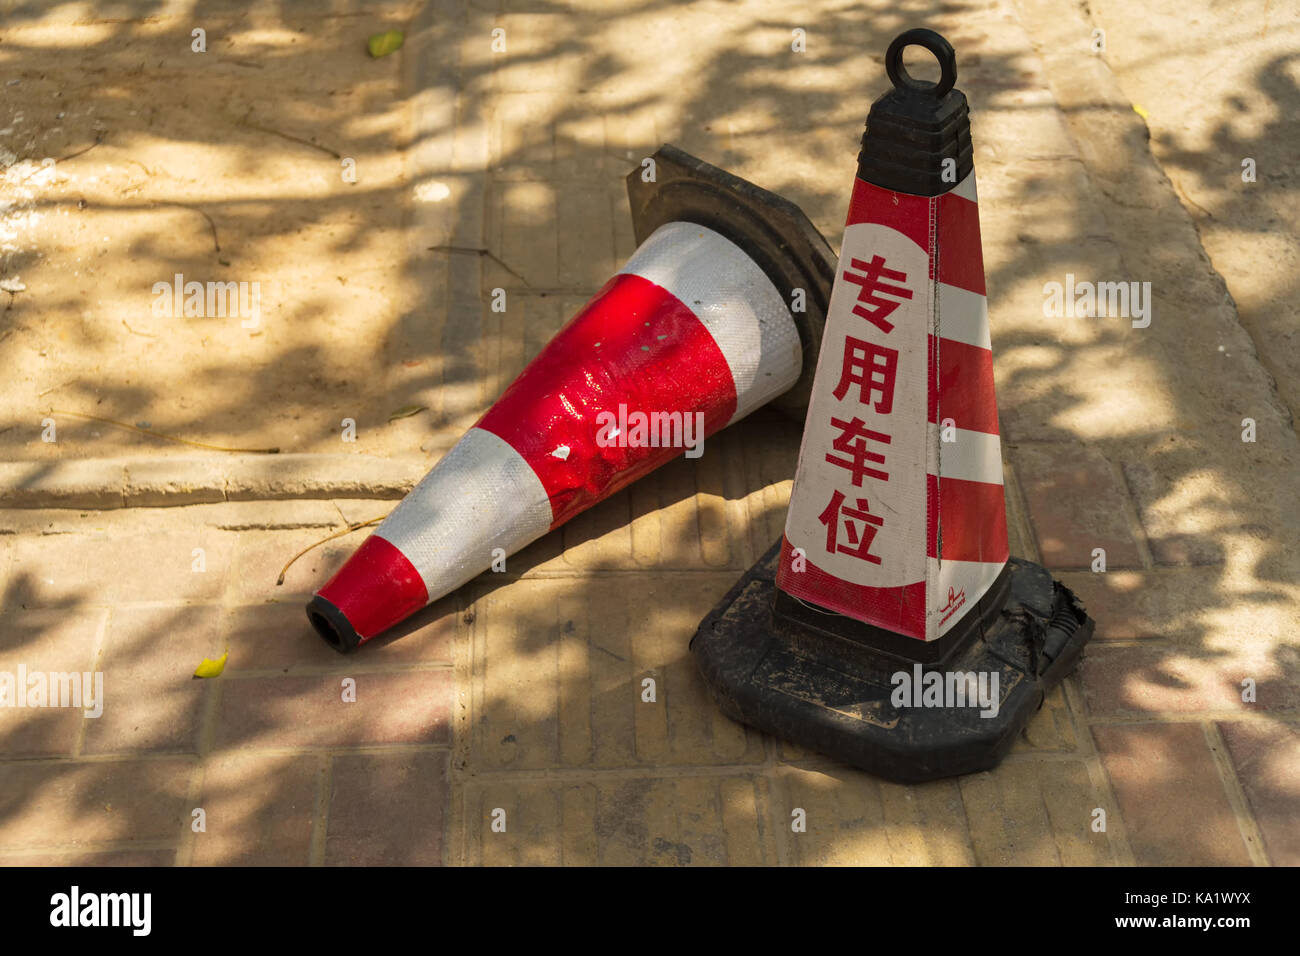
522,693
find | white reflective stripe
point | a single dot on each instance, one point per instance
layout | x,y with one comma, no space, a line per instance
963,316
736,302
955,586
970,456
966,188
481,495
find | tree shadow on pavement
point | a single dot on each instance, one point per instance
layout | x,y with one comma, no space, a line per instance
524,690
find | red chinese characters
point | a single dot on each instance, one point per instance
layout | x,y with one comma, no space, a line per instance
873,369
869,276
853,440
860,526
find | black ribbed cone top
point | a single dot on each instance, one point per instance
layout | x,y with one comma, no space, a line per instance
914,127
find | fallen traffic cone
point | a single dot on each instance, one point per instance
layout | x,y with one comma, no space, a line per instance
702,326
890,628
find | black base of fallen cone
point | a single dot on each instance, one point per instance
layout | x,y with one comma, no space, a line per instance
769,665
772,231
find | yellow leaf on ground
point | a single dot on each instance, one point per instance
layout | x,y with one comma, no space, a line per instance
212,668
382,44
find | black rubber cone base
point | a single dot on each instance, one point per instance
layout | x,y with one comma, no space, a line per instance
838,697
771,230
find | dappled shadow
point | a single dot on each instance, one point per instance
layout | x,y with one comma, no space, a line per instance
532,147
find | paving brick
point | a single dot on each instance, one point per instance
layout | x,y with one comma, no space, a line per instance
261,555
581,152
388,809
6,565
748,838
259,810
269,477
559,667
171,568
1166,678
1076,503
854,819
585,235
48,642
60,570
600,538
174,481
687,514
1168,789
531,822
265,712
1179,529
92,858
66,483
1267,760
1138,604
541,57
275,637
685,821
528,236
768,444
427,637
64,804
1035,813
279,637
277,516
520,148
152,701
504,347
1019,536
788,752
1051,728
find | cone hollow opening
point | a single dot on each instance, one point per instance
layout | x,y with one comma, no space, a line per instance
329,622
326,630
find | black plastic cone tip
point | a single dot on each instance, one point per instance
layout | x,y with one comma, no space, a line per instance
916,127
773,231
331,624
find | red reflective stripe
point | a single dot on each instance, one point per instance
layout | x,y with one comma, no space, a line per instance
964,389
971,520
376,588
961,257
900,609
902,212
960,261
634,343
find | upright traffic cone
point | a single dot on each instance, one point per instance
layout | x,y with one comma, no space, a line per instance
889,627
701,326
